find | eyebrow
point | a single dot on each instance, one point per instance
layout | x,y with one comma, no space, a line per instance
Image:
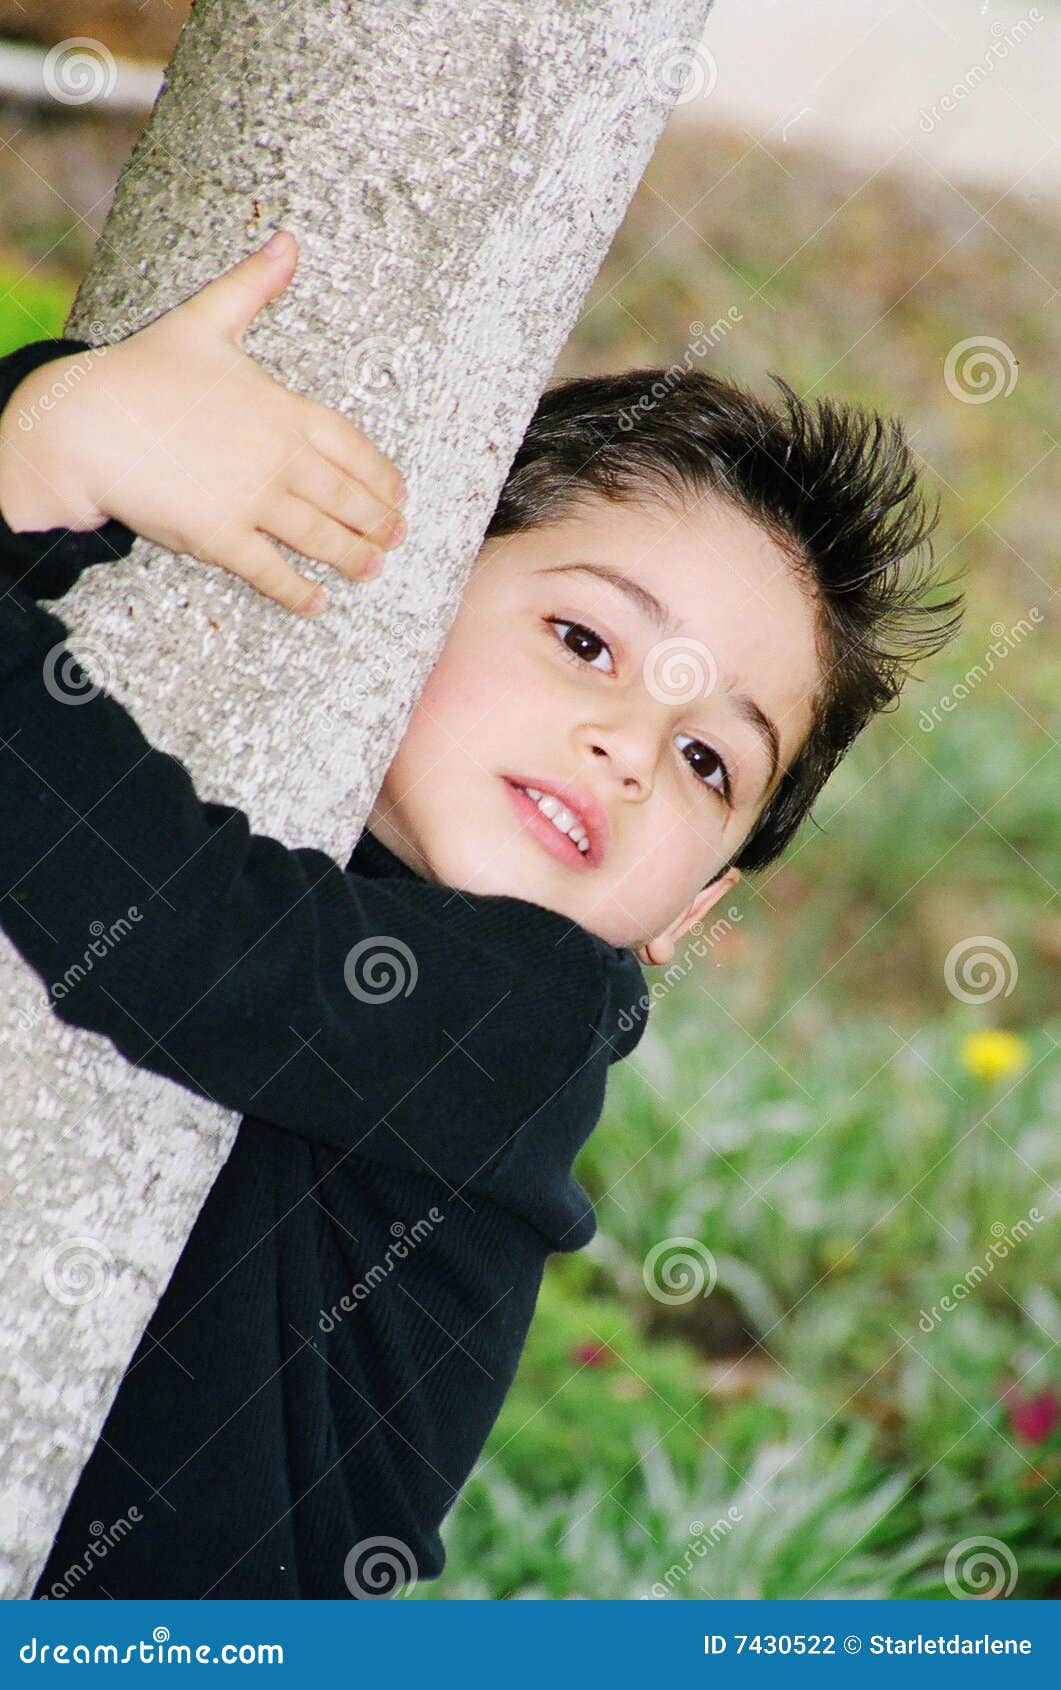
656,612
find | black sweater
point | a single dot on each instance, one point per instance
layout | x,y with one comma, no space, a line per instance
410,1150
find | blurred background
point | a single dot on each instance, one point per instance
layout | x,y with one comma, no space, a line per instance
813,1350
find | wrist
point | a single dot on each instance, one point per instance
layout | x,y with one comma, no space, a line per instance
41,465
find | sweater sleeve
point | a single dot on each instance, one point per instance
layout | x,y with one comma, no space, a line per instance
394,1016
45,563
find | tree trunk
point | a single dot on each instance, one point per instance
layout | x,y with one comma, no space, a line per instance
454,173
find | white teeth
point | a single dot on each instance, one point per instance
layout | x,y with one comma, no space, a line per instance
560,816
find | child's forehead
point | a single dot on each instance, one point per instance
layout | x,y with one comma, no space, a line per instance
670,561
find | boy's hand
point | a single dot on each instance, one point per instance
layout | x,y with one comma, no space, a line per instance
178,433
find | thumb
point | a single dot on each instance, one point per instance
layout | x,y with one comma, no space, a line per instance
234,299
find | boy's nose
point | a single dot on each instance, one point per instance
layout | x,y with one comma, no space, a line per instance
626,770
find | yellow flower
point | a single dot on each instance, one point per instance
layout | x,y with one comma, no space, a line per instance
838,1254
994,1054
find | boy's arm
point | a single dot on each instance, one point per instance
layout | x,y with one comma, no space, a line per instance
340,1007
45,563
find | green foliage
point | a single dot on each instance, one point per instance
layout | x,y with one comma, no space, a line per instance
857,1444
32,307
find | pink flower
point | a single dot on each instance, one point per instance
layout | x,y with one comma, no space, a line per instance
1032,1419
590,1354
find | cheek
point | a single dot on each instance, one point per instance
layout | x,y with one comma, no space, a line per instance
449,689
463,696
478,683
683,854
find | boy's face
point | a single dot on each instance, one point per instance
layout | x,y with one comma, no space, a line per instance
641,720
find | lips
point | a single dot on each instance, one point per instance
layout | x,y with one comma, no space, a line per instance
582,805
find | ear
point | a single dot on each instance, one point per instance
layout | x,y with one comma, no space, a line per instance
658,952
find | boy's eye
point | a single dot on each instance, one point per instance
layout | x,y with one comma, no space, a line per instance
581,643
706,765
583,646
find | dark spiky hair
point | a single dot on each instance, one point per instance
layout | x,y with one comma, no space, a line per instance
834,485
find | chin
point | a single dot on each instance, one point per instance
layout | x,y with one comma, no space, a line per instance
463,863
469,865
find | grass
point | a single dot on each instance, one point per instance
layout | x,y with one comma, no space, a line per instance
804,1105
857,1447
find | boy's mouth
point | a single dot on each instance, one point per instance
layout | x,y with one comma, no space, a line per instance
570,824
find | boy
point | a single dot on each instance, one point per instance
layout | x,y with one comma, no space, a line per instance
565,803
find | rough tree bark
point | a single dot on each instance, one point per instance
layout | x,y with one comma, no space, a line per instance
454,173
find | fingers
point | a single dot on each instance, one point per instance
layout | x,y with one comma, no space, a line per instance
332,491
317,535
343,443
231,301
257,561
